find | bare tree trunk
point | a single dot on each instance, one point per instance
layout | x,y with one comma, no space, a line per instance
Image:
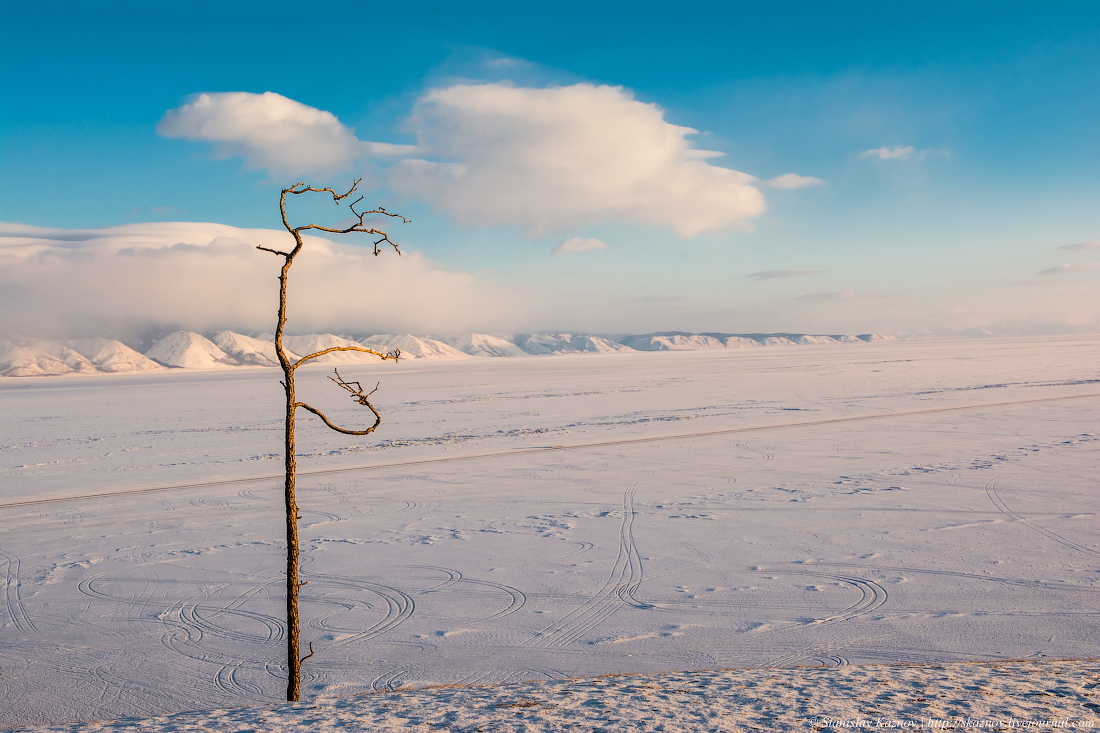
293,585
294,674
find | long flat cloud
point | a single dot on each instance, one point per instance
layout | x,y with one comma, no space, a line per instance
777,274
1082,246
121,281
1075,267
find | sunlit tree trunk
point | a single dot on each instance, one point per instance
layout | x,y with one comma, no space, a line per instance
293,585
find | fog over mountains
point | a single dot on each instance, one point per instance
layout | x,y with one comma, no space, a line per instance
21,357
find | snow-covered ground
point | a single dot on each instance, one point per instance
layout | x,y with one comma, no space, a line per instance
548,519
998,696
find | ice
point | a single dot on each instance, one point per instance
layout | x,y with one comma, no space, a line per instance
540,519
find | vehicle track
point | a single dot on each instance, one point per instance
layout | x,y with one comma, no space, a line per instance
617,591
13,602
991,492
399,606
969,576
542,449
873,597
826,651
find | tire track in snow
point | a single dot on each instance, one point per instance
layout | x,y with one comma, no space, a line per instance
399,607
968,576
991,492
542,449
13,601
873,596
617,591
455,577
820,651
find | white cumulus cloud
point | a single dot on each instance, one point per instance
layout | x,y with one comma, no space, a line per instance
895,153
272,132
793,180
578,244
563,157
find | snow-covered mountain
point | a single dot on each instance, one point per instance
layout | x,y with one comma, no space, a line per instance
41,359
23,358
678,342
226,349
249,350
804,340
566,343
743,342
112,356
190,350
596,344
481,344
413,347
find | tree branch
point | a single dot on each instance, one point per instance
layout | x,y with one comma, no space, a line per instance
368,431
273,251
308,655
395,354
337,197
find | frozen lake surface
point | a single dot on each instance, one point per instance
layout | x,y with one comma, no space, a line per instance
539,518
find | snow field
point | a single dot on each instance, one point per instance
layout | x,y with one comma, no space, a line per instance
543,519
999,696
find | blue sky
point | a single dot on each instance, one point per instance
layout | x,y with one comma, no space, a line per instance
979,209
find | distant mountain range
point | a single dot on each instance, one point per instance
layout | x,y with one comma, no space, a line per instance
229,350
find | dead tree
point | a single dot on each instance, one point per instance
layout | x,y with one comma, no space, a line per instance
293,689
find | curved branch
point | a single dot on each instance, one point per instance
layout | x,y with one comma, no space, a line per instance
395,354
318,413
337,197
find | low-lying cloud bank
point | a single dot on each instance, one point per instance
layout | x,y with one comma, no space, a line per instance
126,281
